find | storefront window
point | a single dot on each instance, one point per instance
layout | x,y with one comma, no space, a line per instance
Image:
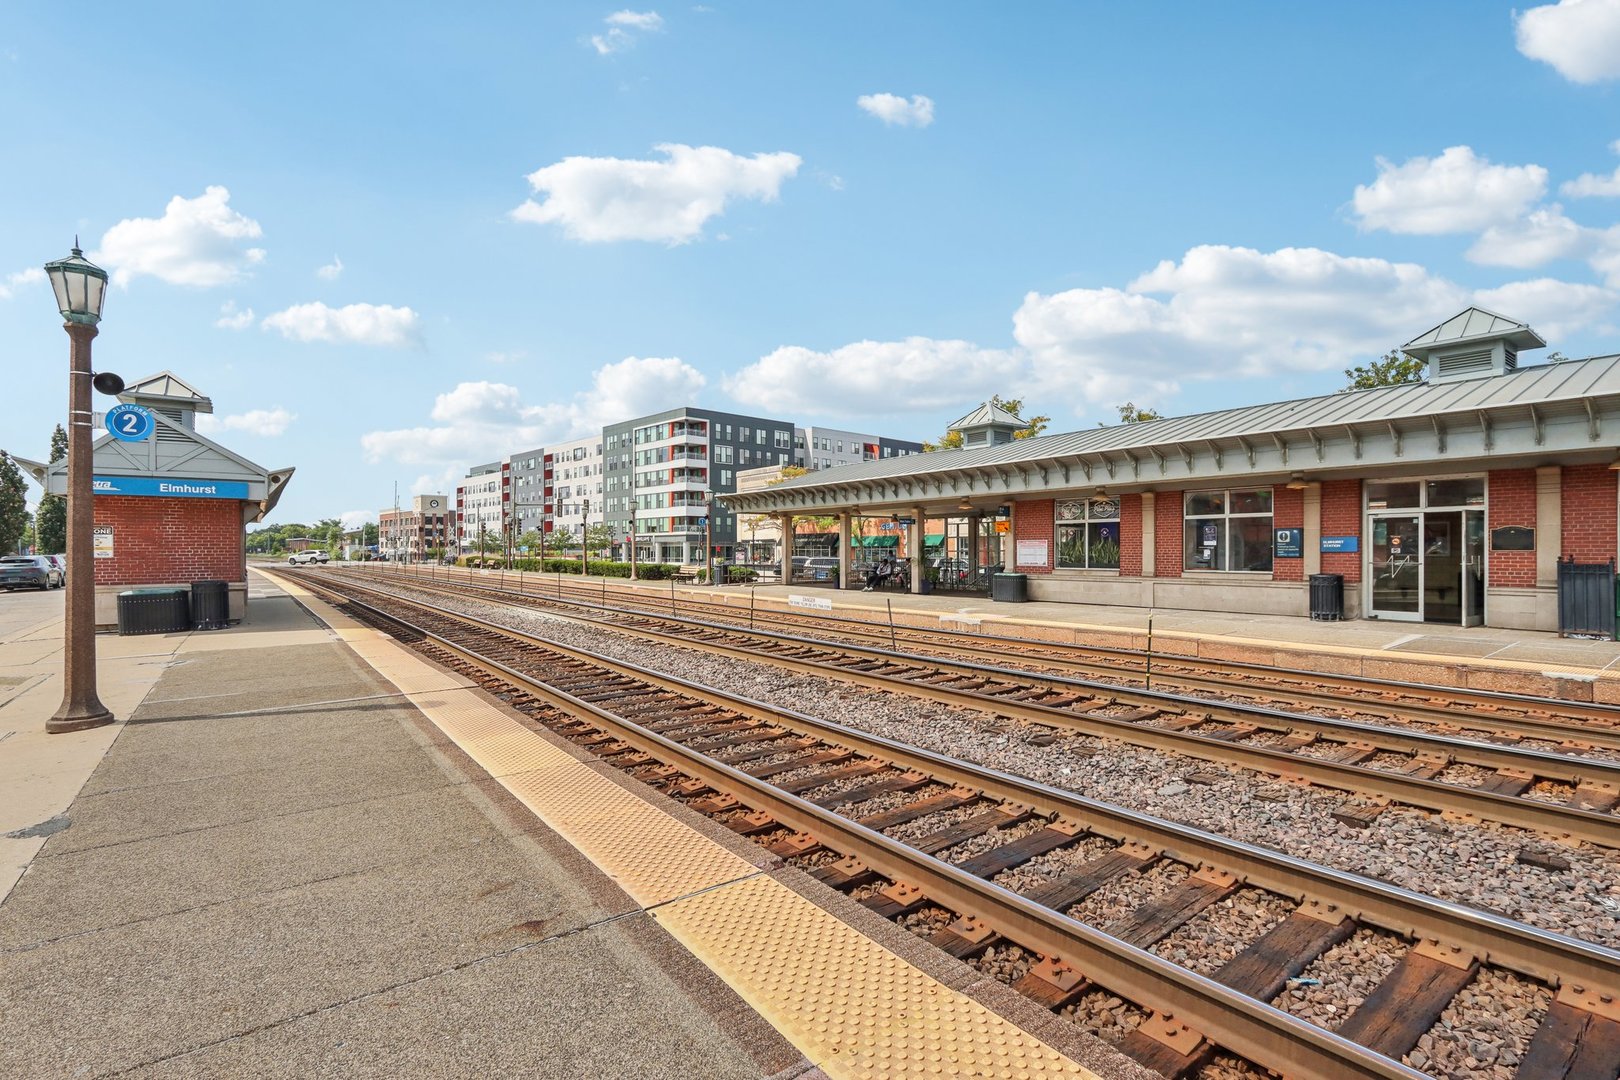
1088,534
1227,530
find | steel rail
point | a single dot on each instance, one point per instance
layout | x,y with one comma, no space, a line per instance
1554,819
1541,954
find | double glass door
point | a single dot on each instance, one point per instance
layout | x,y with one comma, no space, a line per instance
1428,566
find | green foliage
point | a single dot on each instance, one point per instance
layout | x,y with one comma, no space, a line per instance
1033,426
1131,413
50,525
1394,369
58,444
1072,549
1105,554
368,534
13,505
598,567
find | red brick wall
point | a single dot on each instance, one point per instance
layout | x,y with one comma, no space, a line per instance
1167,510
1287,512
158,541
1589,512
1130,536
1036,519
1341,516
1512,498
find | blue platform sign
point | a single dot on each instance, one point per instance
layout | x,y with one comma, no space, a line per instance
1341,543
131,423
1290,544
170,487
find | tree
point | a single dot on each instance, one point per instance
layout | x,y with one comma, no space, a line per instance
1394,369
50,523
13,505
598,536
1131,413
368,534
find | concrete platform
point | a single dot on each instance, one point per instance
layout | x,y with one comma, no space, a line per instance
277,864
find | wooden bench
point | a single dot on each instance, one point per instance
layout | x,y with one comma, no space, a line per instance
685,576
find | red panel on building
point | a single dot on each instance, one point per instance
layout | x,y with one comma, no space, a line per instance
1287,512
1035,519
1512,499
1589,512
1341,516
1167,511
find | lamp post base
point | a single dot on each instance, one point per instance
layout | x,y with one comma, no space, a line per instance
79,719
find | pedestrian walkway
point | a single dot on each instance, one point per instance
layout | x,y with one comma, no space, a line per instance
287,864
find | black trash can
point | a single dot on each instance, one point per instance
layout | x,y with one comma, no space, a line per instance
153,611
1327,597
210,605
1011,588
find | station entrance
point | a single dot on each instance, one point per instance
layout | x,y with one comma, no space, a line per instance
1426,550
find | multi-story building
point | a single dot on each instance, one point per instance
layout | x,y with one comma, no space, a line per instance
408,534
817,448
573,486
481,500
668,464
528,506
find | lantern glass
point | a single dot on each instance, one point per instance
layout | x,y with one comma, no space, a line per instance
80,287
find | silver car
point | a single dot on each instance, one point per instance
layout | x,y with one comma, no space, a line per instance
30,572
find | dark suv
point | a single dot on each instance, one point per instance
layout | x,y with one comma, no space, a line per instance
29,572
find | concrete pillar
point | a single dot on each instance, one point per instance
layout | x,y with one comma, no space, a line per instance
915,546
843,550
1549,524
1150,535
972,557
1313,528
784,525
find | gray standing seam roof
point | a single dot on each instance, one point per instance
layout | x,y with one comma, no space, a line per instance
1570,381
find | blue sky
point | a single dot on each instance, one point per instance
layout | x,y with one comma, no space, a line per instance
392,246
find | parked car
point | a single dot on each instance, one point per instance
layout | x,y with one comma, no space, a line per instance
60,562
30,572
307,556
817,568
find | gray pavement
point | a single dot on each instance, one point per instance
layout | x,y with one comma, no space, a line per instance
281,869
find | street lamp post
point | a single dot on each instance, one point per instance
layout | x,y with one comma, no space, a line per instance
584,535
634,509
708,537
80,288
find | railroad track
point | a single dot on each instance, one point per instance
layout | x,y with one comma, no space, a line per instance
807,788
1561,795
1447,709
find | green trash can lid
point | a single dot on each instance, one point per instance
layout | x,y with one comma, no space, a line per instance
167,591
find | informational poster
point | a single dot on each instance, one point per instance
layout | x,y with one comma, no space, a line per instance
102,541
1290,543
1003,528
1211,532
1033,552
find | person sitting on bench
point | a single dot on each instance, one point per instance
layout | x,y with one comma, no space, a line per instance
879,573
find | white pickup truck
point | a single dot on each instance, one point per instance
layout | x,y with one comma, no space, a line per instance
304,558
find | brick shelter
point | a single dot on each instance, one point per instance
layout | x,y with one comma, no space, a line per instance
172,508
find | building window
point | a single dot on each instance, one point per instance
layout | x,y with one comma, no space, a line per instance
722,454
742,434
759,437
1088,534
784,440
1227,530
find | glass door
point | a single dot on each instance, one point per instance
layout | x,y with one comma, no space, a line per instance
1473,568
1395,567
1443,566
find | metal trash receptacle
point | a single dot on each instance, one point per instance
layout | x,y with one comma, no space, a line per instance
153,611
1327,597
1010,588
1584,592
210,605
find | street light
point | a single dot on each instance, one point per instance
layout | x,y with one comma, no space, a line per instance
584,532
80,288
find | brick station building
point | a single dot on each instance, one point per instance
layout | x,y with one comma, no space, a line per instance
1450,500
173,508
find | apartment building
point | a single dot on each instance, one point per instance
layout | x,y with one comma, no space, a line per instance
481,500
818,448
409,533
573,487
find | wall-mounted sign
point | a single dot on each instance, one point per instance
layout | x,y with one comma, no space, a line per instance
173,487
1211,533
1290,544
1003,528
1341,543
1032,552
130,423
1513,538
905,521
101,541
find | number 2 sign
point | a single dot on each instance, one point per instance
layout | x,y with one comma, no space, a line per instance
131,423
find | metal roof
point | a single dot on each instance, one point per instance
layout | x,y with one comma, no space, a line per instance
987,415
166,384
1527,396
1475,324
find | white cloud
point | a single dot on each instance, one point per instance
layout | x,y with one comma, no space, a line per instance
1554,308
265,422
605,199
511,356
876,378
477,421
1224,312
232,319
1538,237
895,110
624,29
11,282
357,324
354,519
196,242
1455,192
1579,38
1590,184
331,270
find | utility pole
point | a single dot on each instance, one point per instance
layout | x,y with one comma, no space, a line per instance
584,536
634,509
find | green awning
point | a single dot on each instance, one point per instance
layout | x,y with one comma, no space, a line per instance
933,540
877,541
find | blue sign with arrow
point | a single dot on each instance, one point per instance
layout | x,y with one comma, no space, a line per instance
130,423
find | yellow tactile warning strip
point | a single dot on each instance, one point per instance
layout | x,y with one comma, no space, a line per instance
853,1007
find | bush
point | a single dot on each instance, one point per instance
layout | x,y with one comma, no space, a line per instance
598,567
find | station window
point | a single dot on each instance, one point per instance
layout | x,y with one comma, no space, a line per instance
1227,530
1088,534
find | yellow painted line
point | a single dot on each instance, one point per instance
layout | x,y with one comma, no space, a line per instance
853,1007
